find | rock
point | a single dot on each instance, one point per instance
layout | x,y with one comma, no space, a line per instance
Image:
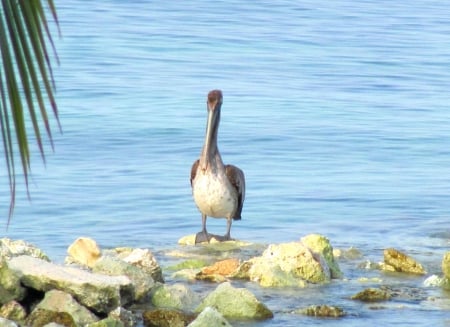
142,281
224,267
53,324
145,260
269,274
287,264
41,317
7,323
347,254
446,265
434,281
166,318
176,296
10,249
209,317
236,303
372,295
107,322
84,251
13,310
60,301
402,262
322,311
125,316
99,292
10,287
320,245
219,270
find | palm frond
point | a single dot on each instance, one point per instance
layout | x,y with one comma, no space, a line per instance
26,82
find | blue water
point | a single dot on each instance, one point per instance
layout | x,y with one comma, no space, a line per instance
336,111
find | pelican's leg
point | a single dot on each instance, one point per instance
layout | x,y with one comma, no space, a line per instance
227,236
203,235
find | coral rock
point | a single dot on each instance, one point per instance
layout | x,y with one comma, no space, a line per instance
402,262
84,251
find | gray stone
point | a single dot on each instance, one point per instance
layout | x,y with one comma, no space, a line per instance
10,287
7,323
177,296
142,281
125,316
99,292
144,259
10,248
236,303
209,317
60,301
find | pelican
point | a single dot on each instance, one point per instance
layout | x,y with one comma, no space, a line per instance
218,189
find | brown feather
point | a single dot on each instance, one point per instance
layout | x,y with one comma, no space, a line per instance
237,180
194,169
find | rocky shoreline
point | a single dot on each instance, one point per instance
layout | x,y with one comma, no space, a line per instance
126,287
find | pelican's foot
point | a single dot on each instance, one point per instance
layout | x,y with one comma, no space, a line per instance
202,237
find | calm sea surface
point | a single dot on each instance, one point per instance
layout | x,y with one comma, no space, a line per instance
338,113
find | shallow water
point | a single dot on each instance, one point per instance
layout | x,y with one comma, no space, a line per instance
336,112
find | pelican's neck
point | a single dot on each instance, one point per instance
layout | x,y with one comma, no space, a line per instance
210,158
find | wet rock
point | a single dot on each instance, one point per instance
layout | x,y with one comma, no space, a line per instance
177,296
209,317
446,265
107,322
434,281
84,251
41,317
13,310
125,316
10,287
99,292
219,270
320,245
236,303
402,262
166,318
59,301
288,264
322,311
10,248
144,259
142,282
7,323
347,254
372,295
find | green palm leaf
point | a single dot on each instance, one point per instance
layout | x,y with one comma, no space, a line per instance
26,82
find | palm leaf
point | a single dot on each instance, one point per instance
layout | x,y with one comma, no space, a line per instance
26,82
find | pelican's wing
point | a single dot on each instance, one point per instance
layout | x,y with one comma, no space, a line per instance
194,170
237,179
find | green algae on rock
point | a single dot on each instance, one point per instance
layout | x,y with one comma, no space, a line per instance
236,303
322,311
372,295
321,245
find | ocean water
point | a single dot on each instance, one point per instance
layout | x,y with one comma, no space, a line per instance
336,111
